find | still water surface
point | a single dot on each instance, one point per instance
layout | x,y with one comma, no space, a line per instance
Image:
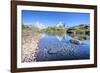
55,48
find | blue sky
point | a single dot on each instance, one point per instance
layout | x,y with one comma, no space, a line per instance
49,18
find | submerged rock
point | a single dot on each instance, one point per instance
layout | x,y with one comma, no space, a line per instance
75,41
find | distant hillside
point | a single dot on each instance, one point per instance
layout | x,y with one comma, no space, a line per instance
25,27
83,29
79,29
81,26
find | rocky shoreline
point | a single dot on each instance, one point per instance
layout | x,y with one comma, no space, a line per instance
29,45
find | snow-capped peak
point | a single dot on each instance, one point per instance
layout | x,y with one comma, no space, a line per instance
60,24
39,25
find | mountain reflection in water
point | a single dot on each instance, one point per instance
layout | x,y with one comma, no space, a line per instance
55,48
